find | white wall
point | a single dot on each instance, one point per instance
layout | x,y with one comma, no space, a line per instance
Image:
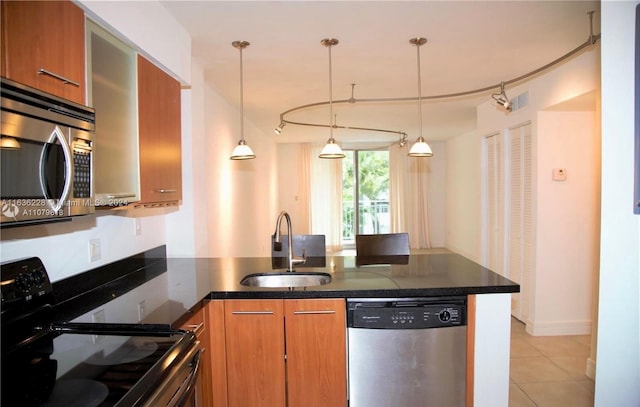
568,223
567,214
241,195
64,247
437,194
618,354
187,225
290,187
463,196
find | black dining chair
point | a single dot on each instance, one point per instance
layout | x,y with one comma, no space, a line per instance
386,244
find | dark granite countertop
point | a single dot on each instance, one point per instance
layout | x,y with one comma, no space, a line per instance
421,275
191,281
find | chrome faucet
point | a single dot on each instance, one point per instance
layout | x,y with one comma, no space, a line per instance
277,244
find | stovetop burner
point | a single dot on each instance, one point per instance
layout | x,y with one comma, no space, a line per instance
77,392
120,353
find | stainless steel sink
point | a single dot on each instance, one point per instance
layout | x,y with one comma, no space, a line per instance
286,279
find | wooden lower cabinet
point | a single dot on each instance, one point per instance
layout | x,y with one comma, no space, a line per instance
280,353
254,338
316,352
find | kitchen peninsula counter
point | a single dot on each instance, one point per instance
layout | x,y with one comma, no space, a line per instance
423,275
195,283
151,288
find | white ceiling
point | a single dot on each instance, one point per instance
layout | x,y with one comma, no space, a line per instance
471,45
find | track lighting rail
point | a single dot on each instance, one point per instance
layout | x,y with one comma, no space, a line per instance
592,40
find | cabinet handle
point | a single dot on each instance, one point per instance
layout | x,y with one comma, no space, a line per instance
195,328
314,312
123,195
252,312
64,80
166,191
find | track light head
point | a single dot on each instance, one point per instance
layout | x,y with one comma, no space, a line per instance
403,140
278,129
502,98
504,102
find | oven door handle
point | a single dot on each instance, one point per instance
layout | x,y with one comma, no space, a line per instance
189,383
56,202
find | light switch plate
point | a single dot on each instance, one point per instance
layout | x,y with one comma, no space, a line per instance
95,251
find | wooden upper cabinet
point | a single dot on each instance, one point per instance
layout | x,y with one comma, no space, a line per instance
254,340
316,356
43,46
159,135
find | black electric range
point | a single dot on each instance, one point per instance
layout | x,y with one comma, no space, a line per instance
58,363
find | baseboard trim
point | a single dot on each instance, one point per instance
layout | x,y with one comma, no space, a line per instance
558,328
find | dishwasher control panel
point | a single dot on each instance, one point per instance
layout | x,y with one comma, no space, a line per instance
409,313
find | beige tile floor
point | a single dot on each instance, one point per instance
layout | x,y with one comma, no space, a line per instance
549,371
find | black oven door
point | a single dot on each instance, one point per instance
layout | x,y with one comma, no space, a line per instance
102,365
179,388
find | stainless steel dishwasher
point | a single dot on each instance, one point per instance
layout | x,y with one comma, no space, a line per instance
407,352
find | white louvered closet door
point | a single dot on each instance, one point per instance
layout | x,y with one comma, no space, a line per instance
495,203
520,199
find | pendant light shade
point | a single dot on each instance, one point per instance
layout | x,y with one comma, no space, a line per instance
242,150
331,149
420,148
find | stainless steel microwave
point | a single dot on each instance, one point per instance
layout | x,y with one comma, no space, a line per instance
45,157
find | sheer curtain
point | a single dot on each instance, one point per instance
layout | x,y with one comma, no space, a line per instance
408,178
325,195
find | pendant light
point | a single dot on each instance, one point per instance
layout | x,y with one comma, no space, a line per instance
242,150
331,149
420,148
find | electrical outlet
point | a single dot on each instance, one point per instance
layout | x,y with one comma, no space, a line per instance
98,317
142,312
138,226
95,252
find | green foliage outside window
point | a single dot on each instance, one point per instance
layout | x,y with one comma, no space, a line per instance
373,193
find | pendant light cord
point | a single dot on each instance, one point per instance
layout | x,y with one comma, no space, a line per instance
330,93
419,89
241,98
